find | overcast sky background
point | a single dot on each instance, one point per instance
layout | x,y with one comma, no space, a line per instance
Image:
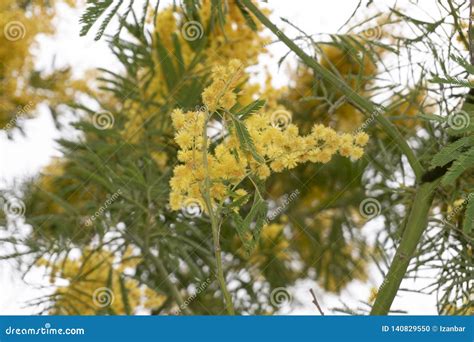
26,156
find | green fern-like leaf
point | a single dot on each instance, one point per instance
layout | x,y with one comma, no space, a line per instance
245,139
250,109
107,20
464,63
451,151
452,80
250,227
94,10
460,165
245,13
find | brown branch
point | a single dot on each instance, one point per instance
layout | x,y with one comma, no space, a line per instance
315,301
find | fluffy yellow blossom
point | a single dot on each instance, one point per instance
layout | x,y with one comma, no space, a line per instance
22,87
220,93
279,146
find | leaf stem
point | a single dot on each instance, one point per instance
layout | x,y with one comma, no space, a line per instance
367,107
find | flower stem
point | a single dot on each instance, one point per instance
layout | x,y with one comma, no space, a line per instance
215,225
367,107
416,224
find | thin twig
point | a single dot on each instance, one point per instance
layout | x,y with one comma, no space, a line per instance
315,301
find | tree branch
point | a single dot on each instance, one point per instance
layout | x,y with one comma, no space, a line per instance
416,224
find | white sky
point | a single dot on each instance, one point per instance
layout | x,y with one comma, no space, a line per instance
26,156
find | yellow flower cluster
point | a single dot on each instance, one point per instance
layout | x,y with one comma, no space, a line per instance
90,288
220,93
276,141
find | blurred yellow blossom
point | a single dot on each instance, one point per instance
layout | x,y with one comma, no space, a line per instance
96,282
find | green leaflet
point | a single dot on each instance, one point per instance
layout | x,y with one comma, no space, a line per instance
166,63
94,10
124,294
109,287
461,164
431,117
464,63
97,8
250,235
250,109
107,20
218,13
179,55
247,16
451,152
245,139
461,151
451,80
